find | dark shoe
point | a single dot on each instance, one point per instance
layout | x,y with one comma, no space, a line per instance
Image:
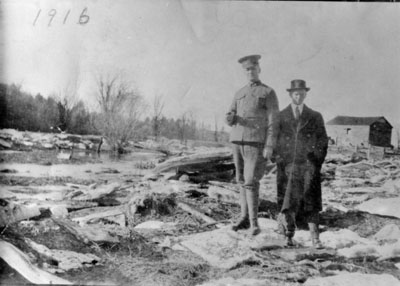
289,242
255,230
243,223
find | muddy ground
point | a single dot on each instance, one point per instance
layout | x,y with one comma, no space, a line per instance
148,257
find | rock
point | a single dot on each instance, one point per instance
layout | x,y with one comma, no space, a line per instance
380,206
5,144
354,279
389,232
397,265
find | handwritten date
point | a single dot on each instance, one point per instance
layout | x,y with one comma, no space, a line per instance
83,18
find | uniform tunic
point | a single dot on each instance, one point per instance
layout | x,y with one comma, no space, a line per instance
255,108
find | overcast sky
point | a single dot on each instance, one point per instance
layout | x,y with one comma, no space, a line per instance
349,53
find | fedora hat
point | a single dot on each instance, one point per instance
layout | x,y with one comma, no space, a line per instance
298,84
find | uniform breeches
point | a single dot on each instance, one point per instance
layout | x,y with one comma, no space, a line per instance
249,164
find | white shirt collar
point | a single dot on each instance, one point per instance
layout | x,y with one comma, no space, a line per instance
301,106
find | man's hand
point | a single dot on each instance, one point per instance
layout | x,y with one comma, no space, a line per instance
231,118
267,153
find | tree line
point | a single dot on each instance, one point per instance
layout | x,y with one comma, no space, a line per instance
119,115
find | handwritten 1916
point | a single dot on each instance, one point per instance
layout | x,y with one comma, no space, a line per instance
83,18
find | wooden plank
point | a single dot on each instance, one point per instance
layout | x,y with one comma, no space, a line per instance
19,261
190,160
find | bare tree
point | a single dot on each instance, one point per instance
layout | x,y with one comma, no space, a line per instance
66,99
182,122
158,107
215,129
120,107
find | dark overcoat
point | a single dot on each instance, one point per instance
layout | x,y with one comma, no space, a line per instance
301,144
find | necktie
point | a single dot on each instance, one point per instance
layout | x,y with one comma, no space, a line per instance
297,112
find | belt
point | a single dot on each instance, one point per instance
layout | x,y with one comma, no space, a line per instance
252,122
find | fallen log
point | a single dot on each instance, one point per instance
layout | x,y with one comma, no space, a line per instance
196,213
19,261
193,160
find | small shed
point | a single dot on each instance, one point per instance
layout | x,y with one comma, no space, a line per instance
360,131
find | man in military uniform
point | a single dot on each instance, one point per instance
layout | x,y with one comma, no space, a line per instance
300,151
252,117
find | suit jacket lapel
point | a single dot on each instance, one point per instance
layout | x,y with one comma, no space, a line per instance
304,117
290,117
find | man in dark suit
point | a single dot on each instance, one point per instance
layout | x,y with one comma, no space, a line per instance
252,116
301,148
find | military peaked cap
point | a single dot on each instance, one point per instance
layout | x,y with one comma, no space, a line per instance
249,61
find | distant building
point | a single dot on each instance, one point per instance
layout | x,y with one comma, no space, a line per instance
360,131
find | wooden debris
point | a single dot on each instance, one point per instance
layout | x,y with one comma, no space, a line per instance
11,212
93,194
88,233
223,194
195,212
19,261
98,215
193,160
66,259
5,144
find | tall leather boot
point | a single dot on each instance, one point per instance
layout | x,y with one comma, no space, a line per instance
243,222
314,232
252,202
290,219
